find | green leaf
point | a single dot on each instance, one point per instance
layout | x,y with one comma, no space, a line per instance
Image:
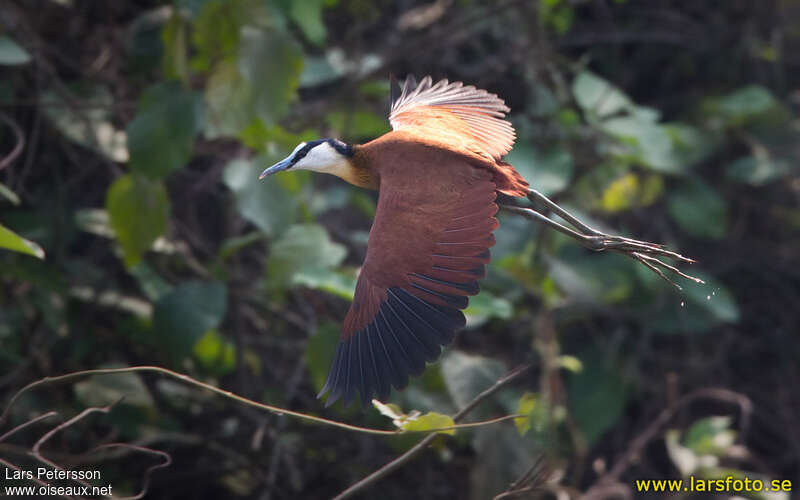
267,204
358,124
604,278
12,241
485,305
691,145
597,395
319,352
271,62
143,40
11,53
745,104
699,210
229,101
526,406
648,143
431,420
630,191
302,248
757,171
465,376
697,308
88,123
713,297
215,353
393,411
308,16
319,70
9,195
598,96
139,209
183,316
232,245
102,390
175,63
95,221
259,85
550,171
710,436
216,30
339,283
161,136
153,286
570,363
415,421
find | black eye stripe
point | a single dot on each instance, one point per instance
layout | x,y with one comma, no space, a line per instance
339,146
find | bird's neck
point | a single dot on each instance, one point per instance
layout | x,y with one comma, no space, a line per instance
357,169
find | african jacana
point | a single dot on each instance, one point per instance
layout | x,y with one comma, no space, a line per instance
437,173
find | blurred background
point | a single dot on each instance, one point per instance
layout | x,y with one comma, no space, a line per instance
135,232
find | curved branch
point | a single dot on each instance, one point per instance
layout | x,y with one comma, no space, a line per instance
243,400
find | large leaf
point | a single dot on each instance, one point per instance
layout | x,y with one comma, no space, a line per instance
466,376
161,136
308,15
102,390
302,248
698,210
271,62
319,352
139,209
357,124
183,316
648,143
88,122
757,171
12,241
259,85
486,305
604,278
696,308
597,394
549,171
596,95
745,104
267,204
11,54
341,283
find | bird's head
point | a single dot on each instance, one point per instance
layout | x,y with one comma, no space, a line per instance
330,156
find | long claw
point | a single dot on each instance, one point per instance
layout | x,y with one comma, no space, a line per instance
598,241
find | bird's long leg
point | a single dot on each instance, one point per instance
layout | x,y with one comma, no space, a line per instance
593,239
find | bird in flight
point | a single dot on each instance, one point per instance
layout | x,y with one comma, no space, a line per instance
438,174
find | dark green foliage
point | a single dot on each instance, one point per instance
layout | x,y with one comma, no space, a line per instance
134,231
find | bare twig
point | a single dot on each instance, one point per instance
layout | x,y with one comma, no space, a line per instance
529,482
20,144
417,449
36,452
147,473
28,424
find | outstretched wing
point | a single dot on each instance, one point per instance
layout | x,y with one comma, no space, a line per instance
427,248
464,117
